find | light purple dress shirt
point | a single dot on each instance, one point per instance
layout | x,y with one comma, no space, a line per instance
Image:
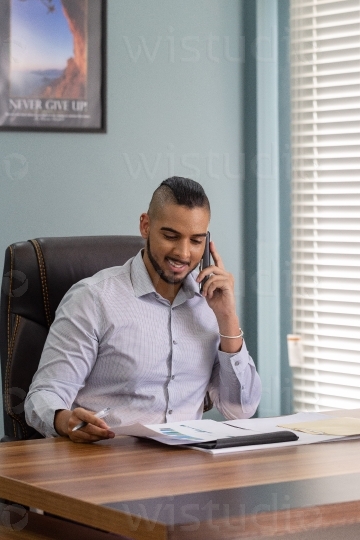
117,343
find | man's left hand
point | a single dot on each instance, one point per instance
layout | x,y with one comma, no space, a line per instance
219,293
219,288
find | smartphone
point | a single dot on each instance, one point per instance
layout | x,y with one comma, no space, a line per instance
205,261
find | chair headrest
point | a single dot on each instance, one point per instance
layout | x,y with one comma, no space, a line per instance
43,270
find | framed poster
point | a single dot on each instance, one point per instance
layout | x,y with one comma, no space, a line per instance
52,65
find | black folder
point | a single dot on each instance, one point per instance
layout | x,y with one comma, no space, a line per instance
249,440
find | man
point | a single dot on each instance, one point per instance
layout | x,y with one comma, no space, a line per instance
141,339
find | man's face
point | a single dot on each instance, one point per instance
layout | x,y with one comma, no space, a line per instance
175,241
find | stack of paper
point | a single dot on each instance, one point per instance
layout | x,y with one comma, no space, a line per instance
310,428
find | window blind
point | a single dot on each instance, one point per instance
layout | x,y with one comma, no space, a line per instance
325,92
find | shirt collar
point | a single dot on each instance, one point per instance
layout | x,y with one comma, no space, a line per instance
143,285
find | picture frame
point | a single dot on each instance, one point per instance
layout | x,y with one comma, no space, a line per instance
53,65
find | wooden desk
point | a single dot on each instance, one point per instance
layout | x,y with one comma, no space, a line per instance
144,490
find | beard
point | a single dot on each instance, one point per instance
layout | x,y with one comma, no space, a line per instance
173,280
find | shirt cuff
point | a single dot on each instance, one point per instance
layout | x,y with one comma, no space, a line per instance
235,361
40,413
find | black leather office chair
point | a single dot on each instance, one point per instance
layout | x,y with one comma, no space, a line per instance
37,274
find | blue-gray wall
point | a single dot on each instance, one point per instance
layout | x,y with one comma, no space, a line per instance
175,106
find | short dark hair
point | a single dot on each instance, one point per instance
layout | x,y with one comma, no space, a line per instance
181,191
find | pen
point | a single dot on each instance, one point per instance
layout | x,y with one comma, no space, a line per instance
99,414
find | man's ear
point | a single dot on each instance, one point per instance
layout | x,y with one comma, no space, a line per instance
144,225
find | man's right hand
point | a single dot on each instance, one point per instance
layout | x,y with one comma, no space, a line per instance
94,430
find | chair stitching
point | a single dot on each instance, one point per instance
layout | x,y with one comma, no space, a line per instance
7,372
9,296
8,360
43,281
9,411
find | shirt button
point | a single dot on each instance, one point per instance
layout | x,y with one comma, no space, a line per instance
174,342
173,377
237,363
243,387
170,412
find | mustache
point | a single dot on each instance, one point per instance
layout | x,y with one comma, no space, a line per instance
178,261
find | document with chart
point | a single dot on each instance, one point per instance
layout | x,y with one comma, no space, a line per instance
206,434
187,432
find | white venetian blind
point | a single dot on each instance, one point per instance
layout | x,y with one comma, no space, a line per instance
325,86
